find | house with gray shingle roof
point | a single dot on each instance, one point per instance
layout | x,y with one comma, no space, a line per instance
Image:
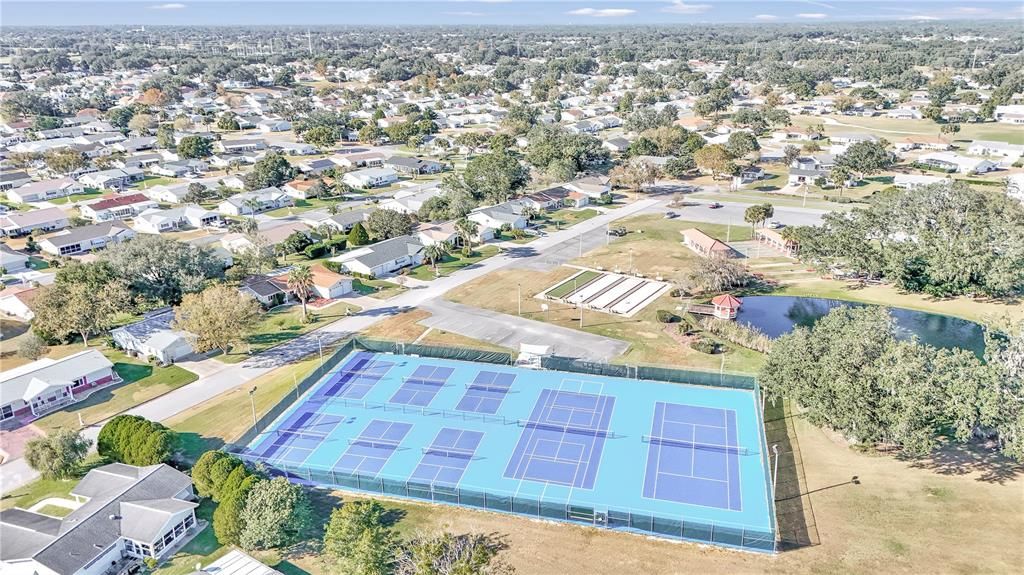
127,513
383,257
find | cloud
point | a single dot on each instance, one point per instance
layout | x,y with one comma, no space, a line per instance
464,13
921,17
602,12
812,15
680,7
766,17
171,6
822,4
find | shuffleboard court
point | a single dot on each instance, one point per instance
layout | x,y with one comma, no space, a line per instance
666,459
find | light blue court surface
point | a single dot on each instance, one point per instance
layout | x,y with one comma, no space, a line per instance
661,458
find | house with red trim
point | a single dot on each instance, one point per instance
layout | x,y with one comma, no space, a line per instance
117,207
47,384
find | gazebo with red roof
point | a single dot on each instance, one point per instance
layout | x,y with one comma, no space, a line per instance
726,306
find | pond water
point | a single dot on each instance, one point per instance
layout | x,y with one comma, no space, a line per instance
777,315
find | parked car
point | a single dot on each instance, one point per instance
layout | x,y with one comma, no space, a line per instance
670,215
775,224
714,205
617,232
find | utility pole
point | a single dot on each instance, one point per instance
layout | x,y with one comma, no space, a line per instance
775,469
252,404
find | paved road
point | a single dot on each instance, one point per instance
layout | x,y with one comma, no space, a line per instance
16,473
509,331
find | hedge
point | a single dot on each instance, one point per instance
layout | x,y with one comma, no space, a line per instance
135,440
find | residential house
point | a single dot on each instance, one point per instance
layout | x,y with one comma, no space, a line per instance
137,144
952,162
547,199
159,221
794,133
429,234
370,178
11,180
593,187
14,224
328,284
359,160
153,337
127,513
86,239
411,200
114,179
268,126
341,221
294,148
413,166
383,257
180,169
238,146
45,190
848,138
923,143
494,217
748,175
47,384
904,114
1012,152
116,207
270,291
11,261
805,176
316,166
705,245
224,160
16,301
248,203
911,181
301,189
1009,114
271,233
616,145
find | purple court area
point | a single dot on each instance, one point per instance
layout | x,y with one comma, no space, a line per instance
297,437
486,393
563,439
368,453
693,456
444,462
420,388
356,378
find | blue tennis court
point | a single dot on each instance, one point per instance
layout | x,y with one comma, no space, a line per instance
674,460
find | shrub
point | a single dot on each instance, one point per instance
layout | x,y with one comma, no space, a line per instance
665,316
136,440
201,472
314,251
743,335
704,345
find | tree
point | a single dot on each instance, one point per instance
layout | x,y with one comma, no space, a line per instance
323,137
227,517
358,541
153,97
357,236
680,166
276,514
78,309
201,479
448,554
435,252
384,224
272,170
740,144
135,440
715,159
495,177
634,175
839,176
284,77
64,160
165,136
58,455
216,317
790,153
162,268
716,274
228,122
865,158
32,347
295,243
194,147
949,129
300,283
712,103
758,214
467,230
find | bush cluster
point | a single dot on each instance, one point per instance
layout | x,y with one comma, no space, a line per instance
135,440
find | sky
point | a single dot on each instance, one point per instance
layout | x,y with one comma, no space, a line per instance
495,12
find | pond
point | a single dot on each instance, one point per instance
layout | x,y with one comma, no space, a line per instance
777,315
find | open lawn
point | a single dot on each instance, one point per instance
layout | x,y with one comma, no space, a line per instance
404,327
150,181
379,289
649,343
54,510
305,206
31,493
453,262
894,130
282,324
141,383
89,194
561,219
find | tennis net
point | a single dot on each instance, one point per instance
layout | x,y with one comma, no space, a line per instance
374,443
692,445
301,434
548,426
487,387
424,381
449,452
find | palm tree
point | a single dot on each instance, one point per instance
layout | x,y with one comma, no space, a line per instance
253,205
300,282
435,253
467,228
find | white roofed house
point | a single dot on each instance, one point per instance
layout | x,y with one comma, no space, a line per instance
952,162
592,186
383,257
413,166
274,126
295,148
341,221
255,202
273,233
911,181
116,207
494,217
47,384
45,190
14,224
1012,152
86,239
410,201
115,179
12,261
158,221
370,178
11,180
153,337
126,513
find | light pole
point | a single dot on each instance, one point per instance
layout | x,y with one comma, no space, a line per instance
519,297
320,348
252,404
775,469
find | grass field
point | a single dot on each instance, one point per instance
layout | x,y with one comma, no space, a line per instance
54,510
28,495
453,262
893,129
282,324
142,382
89,194
572,284
379,289
404,327
150,181
304,206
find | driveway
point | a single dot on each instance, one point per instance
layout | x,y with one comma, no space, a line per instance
510,331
